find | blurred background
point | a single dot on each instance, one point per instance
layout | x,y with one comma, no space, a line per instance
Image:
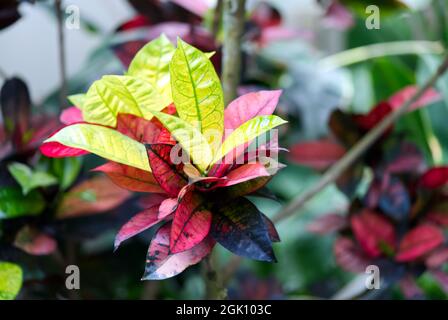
321,53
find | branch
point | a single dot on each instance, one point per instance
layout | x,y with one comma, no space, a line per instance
344,163
217,17
62,62
234,11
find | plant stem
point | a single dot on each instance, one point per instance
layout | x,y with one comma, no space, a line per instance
62,62
217,17
378,50
349,159
234,11
214,289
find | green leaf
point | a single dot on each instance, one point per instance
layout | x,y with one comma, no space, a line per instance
191,140
66,169
247,132
120,94
152,64
104,142
14,204
29,179
197,92
77,99
11,278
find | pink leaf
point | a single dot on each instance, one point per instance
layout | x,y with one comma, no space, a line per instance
244,173
442,279
167,207
419,241
71,115
139,223
338,17
400,98
410,288
373,231
34,242
198,7
348,256
90,197
317,154
248,106
328,223
130,178
437,258
161,264
191,223
168,175
438,217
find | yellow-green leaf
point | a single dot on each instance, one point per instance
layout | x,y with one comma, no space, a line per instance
104,142
197,92
247,132
11,278
120,94
152,64
77,99
191,140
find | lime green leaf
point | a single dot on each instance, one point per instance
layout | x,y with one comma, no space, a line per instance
191,140
77,99
197,92
120,94
247,132
28,179
11,277
152,64
104,142
14,204
210,54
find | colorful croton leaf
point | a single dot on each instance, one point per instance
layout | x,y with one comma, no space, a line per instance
163,129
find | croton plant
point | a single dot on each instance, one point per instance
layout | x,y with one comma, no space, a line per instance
398,220
164,130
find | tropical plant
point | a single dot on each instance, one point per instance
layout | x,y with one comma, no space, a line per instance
164,130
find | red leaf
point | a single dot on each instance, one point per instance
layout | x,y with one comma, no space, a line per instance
167,207
248,106
246,188
419,241
434,178
139,223
328,223
402,96
130,178
370,120
244,173
58,150
437,258
71,115
161,264
316,154
349,256
92,196
191,223
143,130
169,176
34,242
373,231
